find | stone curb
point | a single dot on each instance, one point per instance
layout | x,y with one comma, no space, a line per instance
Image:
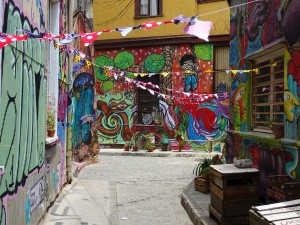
196,205
155,153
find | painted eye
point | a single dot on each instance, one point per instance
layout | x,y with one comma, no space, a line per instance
287,97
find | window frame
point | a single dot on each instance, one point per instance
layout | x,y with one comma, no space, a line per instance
264,125
138,9
207,1
149,100
52,78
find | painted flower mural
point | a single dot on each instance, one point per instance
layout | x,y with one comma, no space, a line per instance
208,123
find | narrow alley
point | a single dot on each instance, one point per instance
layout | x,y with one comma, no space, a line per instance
126,190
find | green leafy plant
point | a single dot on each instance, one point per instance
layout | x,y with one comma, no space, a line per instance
203,167
51,113
135,137
128,145
148,142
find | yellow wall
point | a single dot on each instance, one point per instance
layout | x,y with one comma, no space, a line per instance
110,15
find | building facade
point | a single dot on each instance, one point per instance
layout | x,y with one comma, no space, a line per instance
264,37
33,72
161,80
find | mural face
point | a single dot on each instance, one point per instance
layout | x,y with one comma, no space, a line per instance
255,26
199,119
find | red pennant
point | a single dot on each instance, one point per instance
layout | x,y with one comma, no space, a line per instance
89,38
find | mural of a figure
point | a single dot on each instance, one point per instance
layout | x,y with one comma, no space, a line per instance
189,65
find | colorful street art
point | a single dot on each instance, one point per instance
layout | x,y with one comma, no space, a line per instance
22,111
82,102
26,186
256,26
203,122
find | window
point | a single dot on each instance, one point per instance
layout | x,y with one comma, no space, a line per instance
53,67
267,95
148,104
206,1
147,8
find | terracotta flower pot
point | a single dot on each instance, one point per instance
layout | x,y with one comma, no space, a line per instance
50,133
135,148
278,132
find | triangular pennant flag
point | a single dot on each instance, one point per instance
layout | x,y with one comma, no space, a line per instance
68,39
201,29
150,25
124,31
4,40
181,18
89,38
151,92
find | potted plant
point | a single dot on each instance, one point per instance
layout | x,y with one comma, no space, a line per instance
51,117
149,142
179,137
127,146
202,172
135,137
277,129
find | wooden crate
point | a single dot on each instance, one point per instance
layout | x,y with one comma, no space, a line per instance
283,213
282,188
236,220
233,192
202,184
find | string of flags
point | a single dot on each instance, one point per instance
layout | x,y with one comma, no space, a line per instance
194,26
81,60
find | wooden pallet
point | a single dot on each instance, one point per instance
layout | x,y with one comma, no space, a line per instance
237,220
282,213
282,188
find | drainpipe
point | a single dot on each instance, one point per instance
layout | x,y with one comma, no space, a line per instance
69,172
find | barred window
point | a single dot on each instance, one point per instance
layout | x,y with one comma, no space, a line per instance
268,92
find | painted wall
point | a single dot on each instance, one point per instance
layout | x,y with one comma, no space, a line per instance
84,136
253,27
200,119
33,174
110,15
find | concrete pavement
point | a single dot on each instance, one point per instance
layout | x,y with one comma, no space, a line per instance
133,190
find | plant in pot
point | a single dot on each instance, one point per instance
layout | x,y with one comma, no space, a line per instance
51,116
202,171
179,136
127,146
149,142
277,129
135,137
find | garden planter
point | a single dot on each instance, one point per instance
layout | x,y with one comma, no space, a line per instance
50,133
278,132
135,148
202,184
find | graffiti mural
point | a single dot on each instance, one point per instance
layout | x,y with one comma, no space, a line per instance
22,111
256,26
83,114
186,64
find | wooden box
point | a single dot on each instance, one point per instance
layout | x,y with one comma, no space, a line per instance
233,192
282,213
202,184
282,188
